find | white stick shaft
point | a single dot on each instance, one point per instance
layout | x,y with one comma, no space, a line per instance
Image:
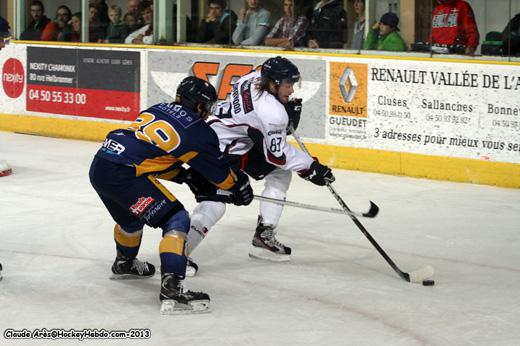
304,206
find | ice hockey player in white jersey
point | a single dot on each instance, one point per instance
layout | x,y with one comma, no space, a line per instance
252,129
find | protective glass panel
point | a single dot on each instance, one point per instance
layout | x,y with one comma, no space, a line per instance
52,21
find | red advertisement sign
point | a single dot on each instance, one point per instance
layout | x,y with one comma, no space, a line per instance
83,82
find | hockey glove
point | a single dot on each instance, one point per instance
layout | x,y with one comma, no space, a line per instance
180,178
318,174
203,189
294,110
242,190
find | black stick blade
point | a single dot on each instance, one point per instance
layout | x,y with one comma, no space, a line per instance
373,211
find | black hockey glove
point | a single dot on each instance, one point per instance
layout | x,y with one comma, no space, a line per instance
242,190
318,174
294,110
203,189
180,178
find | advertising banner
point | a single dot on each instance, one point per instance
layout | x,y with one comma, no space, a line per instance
83,82
12,64
166,70
439,108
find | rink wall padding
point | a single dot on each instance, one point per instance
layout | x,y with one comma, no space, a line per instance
444,118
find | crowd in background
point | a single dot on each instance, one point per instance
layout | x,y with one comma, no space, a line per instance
107,24
304,23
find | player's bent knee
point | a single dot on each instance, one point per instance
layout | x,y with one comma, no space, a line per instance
180,222
278,180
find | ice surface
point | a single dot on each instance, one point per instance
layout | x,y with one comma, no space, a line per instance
56,247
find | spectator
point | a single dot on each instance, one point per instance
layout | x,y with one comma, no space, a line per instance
218,24
511,36
97,30
253,24
130,20
38,22
454,24
5,36
102,8
358,36
384,35
328,25
75,34
289,31
132,6
117,31
59,27
143,35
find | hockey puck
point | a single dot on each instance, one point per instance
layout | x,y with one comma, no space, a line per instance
428,282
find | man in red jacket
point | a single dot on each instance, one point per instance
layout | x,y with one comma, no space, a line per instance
454,24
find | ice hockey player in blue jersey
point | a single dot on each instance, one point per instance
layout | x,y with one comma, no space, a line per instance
125,173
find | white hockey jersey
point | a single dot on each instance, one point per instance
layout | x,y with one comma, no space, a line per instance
250,118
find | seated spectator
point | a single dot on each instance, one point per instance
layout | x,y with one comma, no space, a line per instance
75,34
132,6
102,8
289,31
253,24
218,24
55,30
384,35
454,24
511,36
37,24
143,35
5,33
328,27
130,21
97,30
117,31
358,36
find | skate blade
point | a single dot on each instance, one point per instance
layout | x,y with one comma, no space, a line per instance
128,277
264,254
171,307
190,271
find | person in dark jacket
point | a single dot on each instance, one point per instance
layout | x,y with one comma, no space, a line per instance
511,36
37,24
5,35
218,24
117,31
328,27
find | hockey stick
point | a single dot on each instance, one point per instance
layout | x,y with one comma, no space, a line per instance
371,213
416,276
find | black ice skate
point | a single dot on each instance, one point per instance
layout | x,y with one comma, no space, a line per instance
191,268
266,246
124,268
177,301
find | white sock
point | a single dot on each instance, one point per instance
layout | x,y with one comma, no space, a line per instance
205,215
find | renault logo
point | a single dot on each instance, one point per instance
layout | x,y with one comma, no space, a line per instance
348,85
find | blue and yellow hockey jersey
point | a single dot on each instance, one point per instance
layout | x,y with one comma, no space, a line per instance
162,138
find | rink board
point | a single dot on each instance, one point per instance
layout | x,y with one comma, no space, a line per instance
445,119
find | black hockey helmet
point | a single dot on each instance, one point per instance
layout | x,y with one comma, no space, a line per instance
279,69
193,90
